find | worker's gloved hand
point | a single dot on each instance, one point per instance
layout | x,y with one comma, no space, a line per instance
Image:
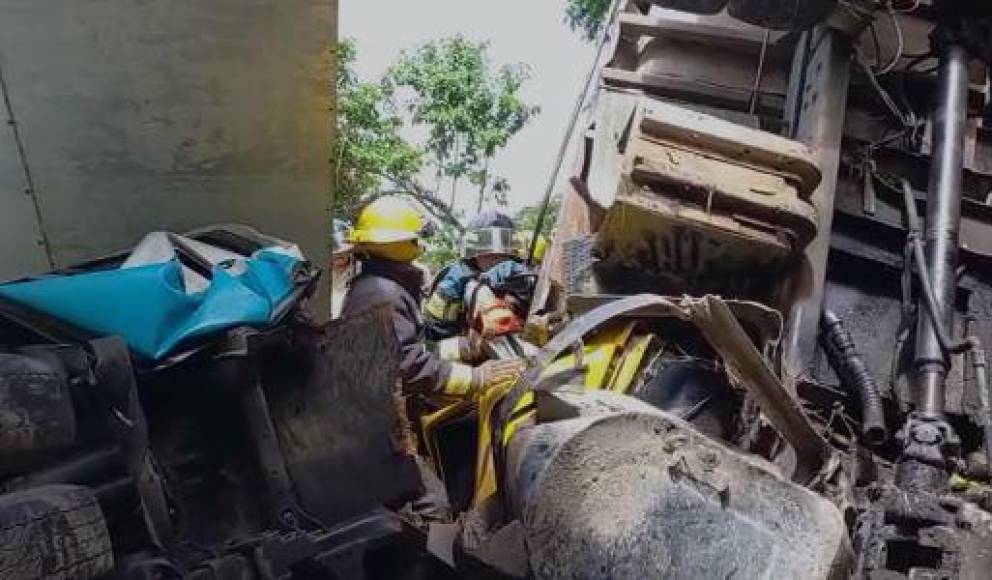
494,373
467,349
467,382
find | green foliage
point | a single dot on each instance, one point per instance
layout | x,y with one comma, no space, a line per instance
526,218
370,149
469,110
442,248
498,187
372,158
588,16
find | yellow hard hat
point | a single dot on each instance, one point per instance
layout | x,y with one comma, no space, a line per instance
406,251
386,220
523,240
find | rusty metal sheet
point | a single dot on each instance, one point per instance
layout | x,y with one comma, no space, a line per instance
708,60
681,248
703,203
722,187
732,142
715,32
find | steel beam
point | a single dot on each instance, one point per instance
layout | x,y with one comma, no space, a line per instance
976,218
817,101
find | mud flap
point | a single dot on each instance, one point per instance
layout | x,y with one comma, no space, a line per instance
332,406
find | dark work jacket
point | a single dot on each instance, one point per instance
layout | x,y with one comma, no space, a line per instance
399,285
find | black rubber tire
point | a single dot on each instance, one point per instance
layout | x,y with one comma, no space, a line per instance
38,414
55,532
781,14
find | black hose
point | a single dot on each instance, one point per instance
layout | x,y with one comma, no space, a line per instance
850,368
929,298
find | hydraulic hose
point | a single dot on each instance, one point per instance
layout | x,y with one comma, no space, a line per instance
929,298
850,367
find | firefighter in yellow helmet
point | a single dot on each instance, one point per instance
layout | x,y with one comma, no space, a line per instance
386,241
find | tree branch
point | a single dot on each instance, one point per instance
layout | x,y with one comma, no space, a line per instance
436,207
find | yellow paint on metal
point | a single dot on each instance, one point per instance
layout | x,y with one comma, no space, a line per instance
485,464
518,416
610,359
431,423
598,355
630,364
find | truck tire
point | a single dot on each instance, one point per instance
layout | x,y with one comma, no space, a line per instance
55,532
37,407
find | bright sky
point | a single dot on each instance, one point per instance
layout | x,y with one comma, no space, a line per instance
529,31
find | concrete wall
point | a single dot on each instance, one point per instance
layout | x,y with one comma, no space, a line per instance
134,115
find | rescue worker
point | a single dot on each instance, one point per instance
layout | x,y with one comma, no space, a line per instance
386,242
458,303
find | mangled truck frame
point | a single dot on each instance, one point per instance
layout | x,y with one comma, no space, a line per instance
761,328
825,161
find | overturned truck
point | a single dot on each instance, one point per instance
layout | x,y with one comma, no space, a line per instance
173,412
761,328
807,182
178,409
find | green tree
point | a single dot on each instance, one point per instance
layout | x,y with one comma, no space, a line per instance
442,248
499,113
526,218
372,158
371,154
588,16
470,110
